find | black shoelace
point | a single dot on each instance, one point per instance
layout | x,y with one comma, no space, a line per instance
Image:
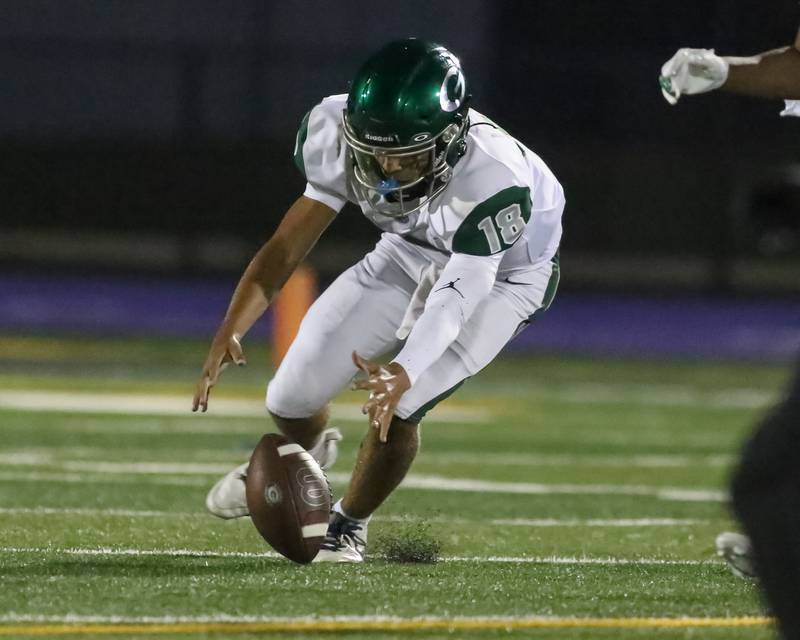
342,531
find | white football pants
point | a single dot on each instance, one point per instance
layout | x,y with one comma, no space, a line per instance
364,307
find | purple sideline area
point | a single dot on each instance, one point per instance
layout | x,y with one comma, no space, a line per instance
587,324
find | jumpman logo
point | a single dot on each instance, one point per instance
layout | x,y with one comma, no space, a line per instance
451,285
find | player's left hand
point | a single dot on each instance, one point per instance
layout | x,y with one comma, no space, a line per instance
386,383
692,71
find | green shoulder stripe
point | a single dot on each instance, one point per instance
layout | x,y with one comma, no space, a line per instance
495,224
300,140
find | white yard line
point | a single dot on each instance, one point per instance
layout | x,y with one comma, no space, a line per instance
513,522
56,478
109,551
440,483
646,461
36,456
581,393
580,560
692,495
80,511
597,522
91,472
147,468
25,458
151,404
661,395
223,617
199,553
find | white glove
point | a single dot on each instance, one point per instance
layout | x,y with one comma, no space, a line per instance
792,108
692,71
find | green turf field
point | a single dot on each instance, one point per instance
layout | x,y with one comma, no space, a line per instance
572,498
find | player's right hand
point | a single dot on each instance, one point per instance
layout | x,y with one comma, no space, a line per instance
225,349
692,71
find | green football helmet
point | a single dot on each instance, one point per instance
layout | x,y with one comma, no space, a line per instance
406,124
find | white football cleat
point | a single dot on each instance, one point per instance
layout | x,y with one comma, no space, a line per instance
227,498
346,540
738,553
326,450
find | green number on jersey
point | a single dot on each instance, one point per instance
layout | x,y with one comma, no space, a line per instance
495,224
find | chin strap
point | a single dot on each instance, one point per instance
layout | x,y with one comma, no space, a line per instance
459,147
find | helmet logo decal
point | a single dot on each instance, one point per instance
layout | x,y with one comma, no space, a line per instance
452,90
377,138
420,137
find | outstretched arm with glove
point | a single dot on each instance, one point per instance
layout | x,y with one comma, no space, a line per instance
772,74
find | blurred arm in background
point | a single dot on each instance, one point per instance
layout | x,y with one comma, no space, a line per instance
765,488
772,74
267,272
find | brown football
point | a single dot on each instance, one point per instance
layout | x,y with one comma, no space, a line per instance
288,497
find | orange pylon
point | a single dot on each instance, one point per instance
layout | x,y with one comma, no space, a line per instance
290,307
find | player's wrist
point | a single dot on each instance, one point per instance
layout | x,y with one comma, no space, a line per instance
399,371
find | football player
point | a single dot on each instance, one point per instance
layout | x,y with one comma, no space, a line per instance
471,222
766,485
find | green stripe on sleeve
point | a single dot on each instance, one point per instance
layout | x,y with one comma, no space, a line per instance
495,224
300,140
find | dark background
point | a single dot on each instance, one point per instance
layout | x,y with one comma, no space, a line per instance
156,136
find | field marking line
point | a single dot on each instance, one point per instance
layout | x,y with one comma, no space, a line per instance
199,553
646,461
586,393
115,472
664,395
503,522
175,405
100,478
111,552
582,560
73,618
597,522
441,483
146,468
548,522
40,456
111,511
386,625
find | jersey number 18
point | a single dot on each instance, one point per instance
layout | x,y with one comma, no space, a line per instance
508,221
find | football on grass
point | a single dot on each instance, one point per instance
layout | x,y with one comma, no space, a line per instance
288,497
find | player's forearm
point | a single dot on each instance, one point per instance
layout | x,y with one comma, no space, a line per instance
271,267
772,74
435,330
462,285
262,279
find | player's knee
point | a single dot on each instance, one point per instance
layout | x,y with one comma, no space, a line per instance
298,389
293,401
304,431
318,419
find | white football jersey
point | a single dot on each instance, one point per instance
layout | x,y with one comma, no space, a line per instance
501,198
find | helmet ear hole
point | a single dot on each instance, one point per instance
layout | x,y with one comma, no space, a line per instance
447,136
